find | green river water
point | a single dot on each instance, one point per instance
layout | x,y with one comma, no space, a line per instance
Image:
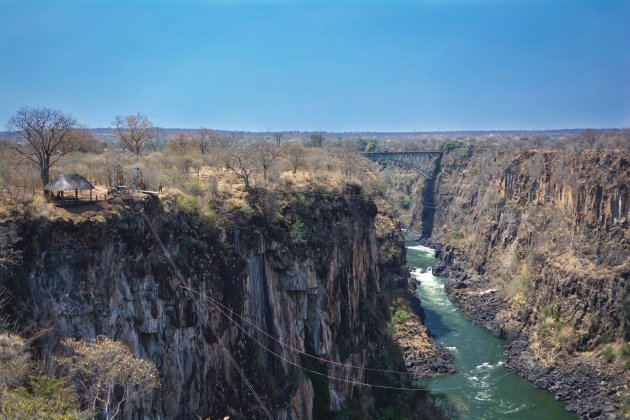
482,388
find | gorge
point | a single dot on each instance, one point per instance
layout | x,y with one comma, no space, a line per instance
311,292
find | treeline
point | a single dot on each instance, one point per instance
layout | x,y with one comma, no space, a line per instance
40,138
203,162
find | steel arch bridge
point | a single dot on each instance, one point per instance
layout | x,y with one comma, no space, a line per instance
423,162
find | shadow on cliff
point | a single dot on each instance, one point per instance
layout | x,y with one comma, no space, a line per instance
428,202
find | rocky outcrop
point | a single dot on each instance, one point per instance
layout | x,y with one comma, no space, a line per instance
306,275
536,245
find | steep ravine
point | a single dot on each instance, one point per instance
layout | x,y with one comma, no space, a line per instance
309,274
536,245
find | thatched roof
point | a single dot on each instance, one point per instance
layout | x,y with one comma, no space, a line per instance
66,182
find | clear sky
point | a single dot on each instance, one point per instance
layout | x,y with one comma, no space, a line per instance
321,65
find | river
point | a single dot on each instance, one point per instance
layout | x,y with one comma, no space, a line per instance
482,388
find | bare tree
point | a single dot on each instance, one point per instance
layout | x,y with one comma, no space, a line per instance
278,138
9,256
106,374
296,157
157,139
205,139
44,136
316,139
241,160
590,137
134,131
265,155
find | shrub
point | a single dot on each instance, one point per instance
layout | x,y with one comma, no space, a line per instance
404,201
209,216
552,311
624,353
401,316
565,338
449,146
456,234
186,203
297,232
45,397
607,354
196,188
247,211
15,360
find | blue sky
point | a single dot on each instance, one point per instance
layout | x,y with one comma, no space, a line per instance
321,65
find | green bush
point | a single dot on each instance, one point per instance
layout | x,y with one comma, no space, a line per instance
449,146
608,355
401,316
196,188
624,353
456,234
46,398
404,201
209,216
298,232
186,203
247,211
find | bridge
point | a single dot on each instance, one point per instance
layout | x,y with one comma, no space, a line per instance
423,162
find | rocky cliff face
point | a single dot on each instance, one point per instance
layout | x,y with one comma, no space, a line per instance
541,240
307,275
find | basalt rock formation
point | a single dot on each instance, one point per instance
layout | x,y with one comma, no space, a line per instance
305,271
536,244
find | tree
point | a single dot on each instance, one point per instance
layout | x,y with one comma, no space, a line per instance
205,139
101,368
134,131
316,139
296,157
44,136
157,139
179,143
590,137
278,138
240,159
265,155
9,256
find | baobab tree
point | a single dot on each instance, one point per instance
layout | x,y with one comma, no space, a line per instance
44,136
134,131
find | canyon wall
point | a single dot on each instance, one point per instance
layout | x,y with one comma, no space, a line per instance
303,270
536,244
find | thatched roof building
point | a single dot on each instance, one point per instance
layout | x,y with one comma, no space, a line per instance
67,182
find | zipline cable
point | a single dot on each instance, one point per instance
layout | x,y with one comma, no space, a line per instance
354,382
208,321
224,347
321,359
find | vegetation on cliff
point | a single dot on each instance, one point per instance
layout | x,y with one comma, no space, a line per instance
540,238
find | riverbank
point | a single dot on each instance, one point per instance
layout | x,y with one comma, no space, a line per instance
591,388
